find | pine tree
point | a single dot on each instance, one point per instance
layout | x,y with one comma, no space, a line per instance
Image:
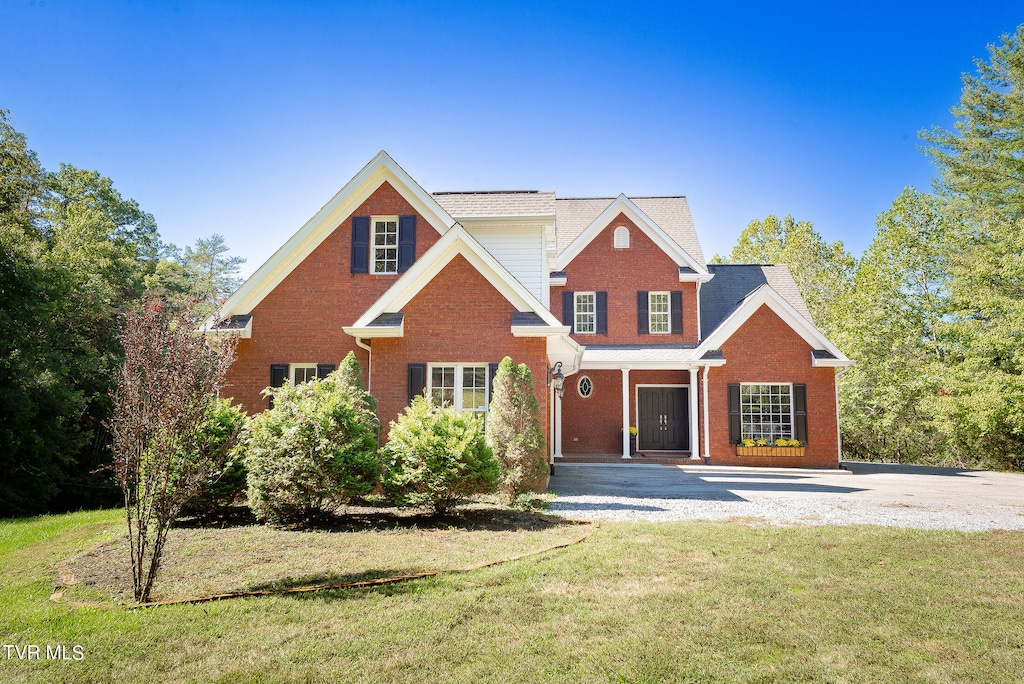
514,431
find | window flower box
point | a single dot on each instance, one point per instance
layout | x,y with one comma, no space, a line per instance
770,451
760,447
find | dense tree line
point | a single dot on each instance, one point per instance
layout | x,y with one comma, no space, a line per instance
74,257
933,311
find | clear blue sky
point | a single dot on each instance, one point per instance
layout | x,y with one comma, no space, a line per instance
244,118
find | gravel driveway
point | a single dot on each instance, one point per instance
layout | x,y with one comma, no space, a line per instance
867,493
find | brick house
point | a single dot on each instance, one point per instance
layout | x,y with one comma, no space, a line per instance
431,291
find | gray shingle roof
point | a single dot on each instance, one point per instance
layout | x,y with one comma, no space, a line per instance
672,214
388,320
526,318
237,322
723,294
496,203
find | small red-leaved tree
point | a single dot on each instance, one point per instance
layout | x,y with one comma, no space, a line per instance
165,388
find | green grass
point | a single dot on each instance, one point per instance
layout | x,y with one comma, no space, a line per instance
697,601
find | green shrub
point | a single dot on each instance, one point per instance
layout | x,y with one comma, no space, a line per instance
318,444
514,432
220,432
435,457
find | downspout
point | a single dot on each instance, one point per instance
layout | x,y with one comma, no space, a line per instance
707,451
369,361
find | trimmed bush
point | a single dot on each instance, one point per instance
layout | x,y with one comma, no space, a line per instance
514,432
227,483
317,445
436,457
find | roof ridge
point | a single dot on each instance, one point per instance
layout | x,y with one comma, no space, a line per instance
493,192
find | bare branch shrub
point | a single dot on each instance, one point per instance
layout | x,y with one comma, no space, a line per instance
165,388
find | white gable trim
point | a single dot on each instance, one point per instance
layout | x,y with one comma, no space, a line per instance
765,295
624,205
382,168
455,242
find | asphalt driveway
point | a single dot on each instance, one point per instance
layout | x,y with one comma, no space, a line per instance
864,493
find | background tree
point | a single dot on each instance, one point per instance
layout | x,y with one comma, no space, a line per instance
981,177
514,432
823,271
892,325
166,388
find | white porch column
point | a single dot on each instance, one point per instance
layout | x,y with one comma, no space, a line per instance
707,447
551,424
558,426
625,413
694,420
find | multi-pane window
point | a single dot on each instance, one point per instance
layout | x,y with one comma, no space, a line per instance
586,312
442,385
474,388
385,245
766,411
585,387
302,372
460,387
658,312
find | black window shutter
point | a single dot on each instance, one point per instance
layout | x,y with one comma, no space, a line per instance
278,376
406,242
569,310
642,317
677,313
492,370
800,412
360,244
602,313
735,419
417,380
324,369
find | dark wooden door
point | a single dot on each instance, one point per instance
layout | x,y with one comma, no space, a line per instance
663,419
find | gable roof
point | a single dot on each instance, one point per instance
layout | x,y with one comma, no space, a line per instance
727,317
671,214
457,241
606,216
497,203
382,168
733,282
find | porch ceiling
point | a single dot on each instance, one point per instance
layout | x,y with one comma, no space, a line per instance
636,356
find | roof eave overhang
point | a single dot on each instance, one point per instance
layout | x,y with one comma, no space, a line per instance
210,329
371,331
539,330
831,363
695,277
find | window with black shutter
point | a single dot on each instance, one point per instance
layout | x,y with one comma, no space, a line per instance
642,316
800,412
735,419
602,313
677,313
406,242
417,380
324,369
360,244
278,377
569,310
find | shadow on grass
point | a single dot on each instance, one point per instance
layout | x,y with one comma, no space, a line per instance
400,575
362,515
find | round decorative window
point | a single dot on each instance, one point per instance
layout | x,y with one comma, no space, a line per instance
585,387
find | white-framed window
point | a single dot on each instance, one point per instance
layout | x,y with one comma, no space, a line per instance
385,244
621,238
658,312
585,386
766,411
302,372
460,386
585,313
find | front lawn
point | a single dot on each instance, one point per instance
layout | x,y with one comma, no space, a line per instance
698,601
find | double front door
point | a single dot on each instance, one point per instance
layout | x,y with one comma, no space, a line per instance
664,419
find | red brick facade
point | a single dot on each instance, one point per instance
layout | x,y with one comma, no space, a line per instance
460,318
457,318
765,349
644,266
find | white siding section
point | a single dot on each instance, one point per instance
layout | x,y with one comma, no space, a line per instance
520,249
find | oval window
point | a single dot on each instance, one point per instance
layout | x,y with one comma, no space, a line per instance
585,387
